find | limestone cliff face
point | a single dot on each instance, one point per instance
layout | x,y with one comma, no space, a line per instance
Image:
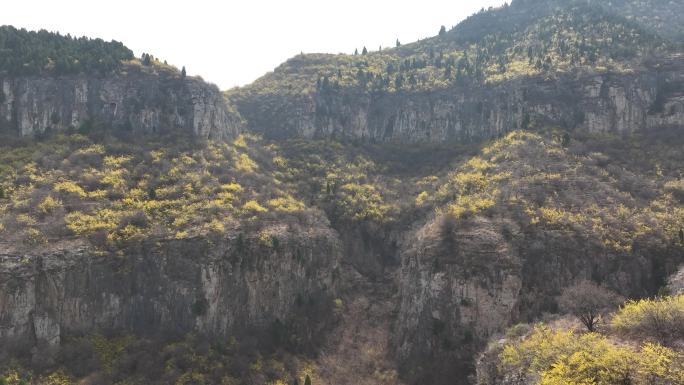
214,287
609,102
131,100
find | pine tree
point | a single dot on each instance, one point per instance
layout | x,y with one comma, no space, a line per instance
565,140
364,51
398,43
442,31
399,81
356,51
307,380
183,73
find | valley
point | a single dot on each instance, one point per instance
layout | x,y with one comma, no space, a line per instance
424,214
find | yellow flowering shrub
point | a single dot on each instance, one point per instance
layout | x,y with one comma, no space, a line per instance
566,357
659,319
70,187
254,207
286,204
245,164
48,205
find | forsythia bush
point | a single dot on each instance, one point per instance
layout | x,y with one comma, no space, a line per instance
662,319
564,357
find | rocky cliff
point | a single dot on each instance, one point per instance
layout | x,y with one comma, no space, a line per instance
213,287
608,102
135,99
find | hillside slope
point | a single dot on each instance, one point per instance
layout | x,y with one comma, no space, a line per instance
430,250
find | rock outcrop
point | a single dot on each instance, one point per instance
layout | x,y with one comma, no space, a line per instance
598,102
464,283
132,99
214,287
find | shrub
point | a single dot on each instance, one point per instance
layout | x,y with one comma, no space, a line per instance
33,237
57,378
81,223
48,205
254,207
658,319
549,357
422,198
361,202
245,164
70,187
286,205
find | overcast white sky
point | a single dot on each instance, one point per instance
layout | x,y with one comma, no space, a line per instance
232,43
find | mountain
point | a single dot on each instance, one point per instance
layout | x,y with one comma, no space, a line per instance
431,213
573,64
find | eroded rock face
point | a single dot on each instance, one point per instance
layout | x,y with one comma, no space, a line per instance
214,287
465,282
455,289
610,102
132,101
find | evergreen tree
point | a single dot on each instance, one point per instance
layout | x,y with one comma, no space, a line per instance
442,31
356,51
399,81
364,51
307,380
183,73
361,76
398,43
565,141
390,68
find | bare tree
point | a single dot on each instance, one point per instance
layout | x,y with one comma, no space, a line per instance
587,301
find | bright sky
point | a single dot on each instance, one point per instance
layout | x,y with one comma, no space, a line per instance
233,42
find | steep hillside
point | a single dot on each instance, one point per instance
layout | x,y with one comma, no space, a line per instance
429,250
156,239
497,71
